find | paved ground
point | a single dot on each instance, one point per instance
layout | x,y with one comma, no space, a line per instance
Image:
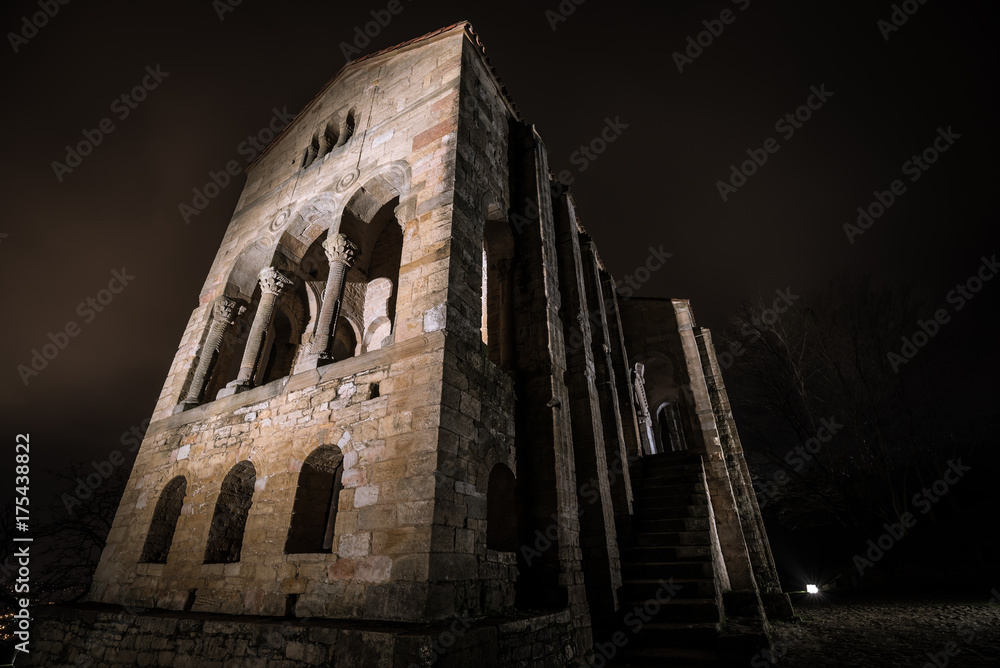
884,632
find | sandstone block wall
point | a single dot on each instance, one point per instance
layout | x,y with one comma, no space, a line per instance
103,638
485,371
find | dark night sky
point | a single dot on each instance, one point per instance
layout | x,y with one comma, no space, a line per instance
654,185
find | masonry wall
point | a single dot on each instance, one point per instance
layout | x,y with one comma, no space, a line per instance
405,108
539,387
81,638
380,560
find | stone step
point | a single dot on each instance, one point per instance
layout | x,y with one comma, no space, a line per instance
689,610
652,491
659,554
653,635
672,523
637,589
679,569
666,476
674,657
668,500
673,538
703,635
693,470
672,512
672,458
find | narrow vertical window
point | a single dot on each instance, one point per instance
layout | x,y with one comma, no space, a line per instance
225,537
314,511
165,516
501,511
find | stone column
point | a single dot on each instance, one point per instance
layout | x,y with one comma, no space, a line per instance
271,285
645,420
340,251
222,318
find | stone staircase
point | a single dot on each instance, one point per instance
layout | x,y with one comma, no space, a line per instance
671,556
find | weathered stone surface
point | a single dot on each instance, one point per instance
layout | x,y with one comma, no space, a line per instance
409,395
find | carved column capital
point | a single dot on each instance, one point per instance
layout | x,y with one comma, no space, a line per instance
341,249
223,311
272,282
224,308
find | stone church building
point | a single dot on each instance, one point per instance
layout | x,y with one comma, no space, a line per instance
411,422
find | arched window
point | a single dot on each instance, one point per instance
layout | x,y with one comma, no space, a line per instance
345,342
280,349
501,512
165,516
349,124
668,424
368,310
329,140
225,537
314,512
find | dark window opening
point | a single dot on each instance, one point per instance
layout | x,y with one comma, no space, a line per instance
501,512
314,511
225,537
165,516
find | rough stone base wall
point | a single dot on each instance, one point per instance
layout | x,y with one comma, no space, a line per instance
498,573
100,636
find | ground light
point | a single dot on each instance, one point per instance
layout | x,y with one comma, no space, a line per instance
812,589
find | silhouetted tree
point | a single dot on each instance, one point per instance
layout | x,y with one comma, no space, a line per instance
821,368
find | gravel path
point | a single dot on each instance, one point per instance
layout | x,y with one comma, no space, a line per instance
886,632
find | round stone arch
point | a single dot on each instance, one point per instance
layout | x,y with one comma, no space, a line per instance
242,278
299,449
662,384
150,485
256,454
665,386
314,217
356,333
325,212
496,452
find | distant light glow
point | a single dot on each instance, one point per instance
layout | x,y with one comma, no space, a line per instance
812,589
